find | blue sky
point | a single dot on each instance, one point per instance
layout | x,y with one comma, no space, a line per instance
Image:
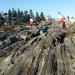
49,7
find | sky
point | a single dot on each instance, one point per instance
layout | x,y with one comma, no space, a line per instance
49,7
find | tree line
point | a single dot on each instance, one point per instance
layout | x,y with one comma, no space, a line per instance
17,17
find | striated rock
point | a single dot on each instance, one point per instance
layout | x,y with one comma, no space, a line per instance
52,55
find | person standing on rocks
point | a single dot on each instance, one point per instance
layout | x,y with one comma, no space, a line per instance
63,23
61,19
31,22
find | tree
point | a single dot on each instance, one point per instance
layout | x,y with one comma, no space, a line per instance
42,17
21,14
37,17
25,13
9,17
14,16
19,17
32,14
1,19
14,13
5,19
26,17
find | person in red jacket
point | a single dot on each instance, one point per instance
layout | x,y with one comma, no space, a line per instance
63,23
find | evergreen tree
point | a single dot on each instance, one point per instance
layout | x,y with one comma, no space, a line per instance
32,14
26,17
9,17
21,14
14,13
1,19
37,17
25,13
5,20
19,17
42,17
14,16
